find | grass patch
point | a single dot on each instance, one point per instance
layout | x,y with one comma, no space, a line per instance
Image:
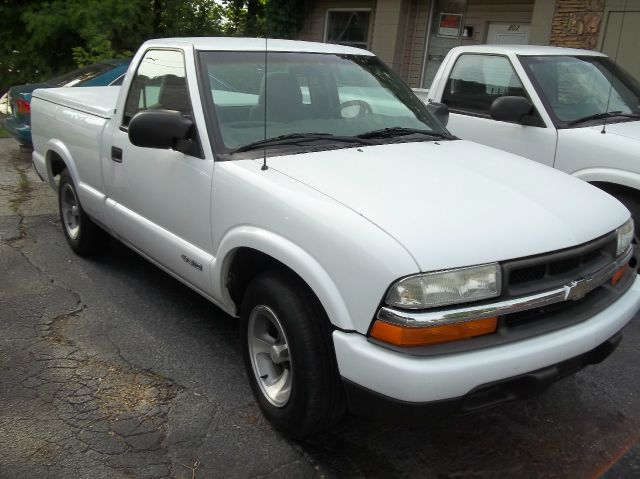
4,133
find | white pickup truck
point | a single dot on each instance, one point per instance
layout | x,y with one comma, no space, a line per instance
572,109
375,262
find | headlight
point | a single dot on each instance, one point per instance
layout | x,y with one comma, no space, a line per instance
442,288
625,235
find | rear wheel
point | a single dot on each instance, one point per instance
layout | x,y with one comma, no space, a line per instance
289,357
83,235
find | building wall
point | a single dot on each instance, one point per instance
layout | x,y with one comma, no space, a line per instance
398,28
576,23
619,35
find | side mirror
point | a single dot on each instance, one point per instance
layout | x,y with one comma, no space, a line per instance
513,109
440,111
161,129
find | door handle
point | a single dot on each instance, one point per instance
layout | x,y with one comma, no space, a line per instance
116,154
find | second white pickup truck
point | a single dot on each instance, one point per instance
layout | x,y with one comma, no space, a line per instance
572,109
374,261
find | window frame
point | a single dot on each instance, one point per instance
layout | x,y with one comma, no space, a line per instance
541,123
346,9
125,127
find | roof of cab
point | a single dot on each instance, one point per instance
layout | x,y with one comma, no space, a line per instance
253,44
527,50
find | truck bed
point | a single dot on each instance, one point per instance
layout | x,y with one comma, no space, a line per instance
98,100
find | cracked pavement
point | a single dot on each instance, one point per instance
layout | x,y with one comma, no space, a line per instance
109,368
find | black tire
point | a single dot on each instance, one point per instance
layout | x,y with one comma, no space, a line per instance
84,237
316,396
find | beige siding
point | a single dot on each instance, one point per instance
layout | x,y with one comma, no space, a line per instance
416,22
543,11
387,30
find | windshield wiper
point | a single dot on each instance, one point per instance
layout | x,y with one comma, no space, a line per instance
296,138
603,115
398,131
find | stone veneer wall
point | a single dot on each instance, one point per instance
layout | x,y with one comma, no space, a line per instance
576,23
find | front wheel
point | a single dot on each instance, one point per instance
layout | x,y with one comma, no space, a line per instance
83,235
288,355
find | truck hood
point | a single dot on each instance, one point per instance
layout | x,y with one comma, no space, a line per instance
588,154
457,203
627,129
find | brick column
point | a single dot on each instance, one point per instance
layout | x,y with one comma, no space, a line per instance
576,23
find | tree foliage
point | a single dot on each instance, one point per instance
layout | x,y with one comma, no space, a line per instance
41,38
283,18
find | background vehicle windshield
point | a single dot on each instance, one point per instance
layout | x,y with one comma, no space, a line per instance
81,75
342,95
580,86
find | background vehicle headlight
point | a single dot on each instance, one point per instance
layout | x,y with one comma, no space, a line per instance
441,288
625,235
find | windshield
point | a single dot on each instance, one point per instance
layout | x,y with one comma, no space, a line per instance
581,87
311,97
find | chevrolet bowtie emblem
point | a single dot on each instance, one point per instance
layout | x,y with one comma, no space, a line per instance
577,289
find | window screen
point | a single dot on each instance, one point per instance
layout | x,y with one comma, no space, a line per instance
477,80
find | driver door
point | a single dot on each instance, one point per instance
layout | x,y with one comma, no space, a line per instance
159,201
474,82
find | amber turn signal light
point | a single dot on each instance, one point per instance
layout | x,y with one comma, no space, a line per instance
617,276
423,336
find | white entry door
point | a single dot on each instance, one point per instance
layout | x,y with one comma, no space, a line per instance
508,33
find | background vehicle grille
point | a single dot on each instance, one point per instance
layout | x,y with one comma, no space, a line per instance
547,271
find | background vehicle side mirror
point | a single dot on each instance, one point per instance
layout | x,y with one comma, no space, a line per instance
514,109
440,111
161,129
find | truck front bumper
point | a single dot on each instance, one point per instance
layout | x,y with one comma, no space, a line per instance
367,403
407,379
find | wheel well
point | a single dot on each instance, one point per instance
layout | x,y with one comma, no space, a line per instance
615,189
246,264
56,162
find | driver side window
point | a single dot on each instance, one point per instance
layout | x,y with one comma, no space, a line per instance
477,80
159,83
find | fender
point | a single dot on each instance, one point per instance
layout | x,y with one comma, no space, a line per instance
92,200
609,175
58,147
288,253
